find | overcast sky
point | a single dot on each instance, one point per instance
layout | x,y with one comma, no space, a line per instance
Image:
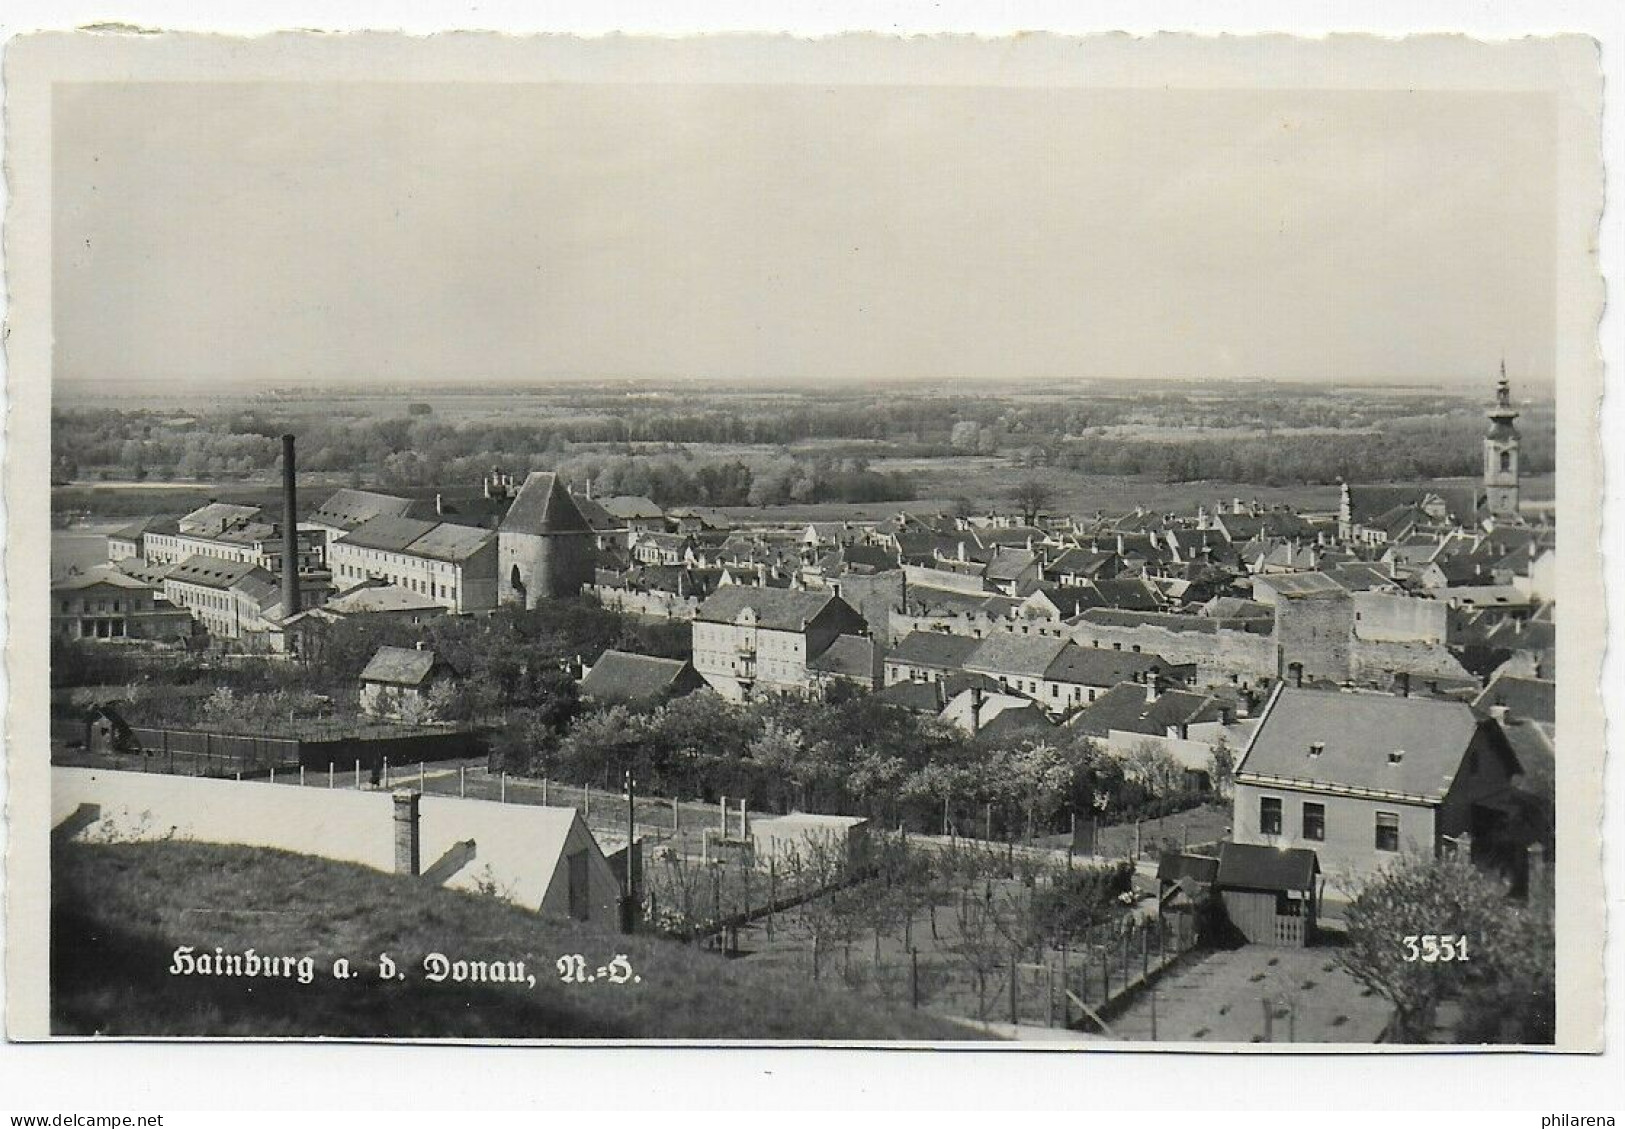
287,232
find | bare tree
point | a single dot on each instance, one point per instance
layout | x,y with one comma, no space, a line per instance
1032,496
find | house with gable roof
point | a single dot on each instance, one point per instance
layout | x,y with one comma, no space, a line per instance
1360,778
752,640
398,678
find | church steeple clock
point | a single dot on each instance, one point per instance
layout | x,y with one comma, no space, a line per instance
1501,454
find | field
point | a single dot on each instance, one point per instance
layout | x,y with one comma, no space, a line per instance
808,452
120,910
1258,994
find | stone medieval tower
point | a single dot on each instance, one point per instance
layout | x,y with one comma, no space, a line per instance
1501,454
545,546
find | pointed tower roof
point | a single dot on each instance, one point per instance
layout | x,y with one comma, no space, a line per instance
544,506
1502,415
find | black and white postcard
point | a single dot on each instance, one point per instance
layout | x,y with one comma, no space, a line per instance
1061,543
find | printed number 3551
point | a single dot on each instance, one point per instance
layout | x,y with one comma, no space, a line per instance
1430,948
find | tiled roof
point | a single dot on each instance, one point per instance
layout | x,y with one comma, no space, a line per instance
621,676
215,516
1359,577
1250,866
261,588
1180,707
628,507
1527,699
1234,607
156,523
934,649
392,534
101,574
211,572
346,509
1013,722
401,666
1168,621
777,609
1129,593
1173,866
1010,564
1338,739
1071,599
1005,653
921,697
544,506
1303,585
1098,666
1369,502
597,516
449,542
371,597
849,655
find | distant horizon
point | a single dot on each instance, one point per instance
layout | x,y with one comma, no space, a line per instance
475,385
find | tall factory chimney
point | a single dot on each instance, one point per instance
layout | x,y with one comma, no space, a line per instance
290,532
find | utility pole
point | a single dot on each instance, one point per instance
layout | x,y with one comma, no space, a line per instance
628,886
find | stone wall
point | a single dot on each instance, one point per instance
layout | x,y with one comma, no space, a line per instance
655,605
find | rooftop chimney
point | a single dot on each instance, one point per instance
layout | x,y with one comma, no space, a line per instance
290,532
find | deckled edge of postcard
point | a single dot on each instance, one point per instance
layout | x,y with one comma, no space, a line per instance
1566,66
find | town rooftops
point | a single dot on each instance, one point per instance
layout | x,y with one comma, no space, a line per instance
209,520
920,697
402,666
1358,576
148,572
1235,607
156,523
597,516
391,534
447,541
633,507
1168,621
436,540
543,506
622,676
1014,721
934,649
1131,593
212,572
1097,666
1527,699
1372,744
262,588
776,609
1252,866
377,596
849,656
1010,564
345,509
1028,656
1457,503
99,575
1302,585
1124,708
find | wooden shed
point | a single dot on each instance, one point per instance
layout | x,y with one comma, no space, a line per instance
1269,893
1185,893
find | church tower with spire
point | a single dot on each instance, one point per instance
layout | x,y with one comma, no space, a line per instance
1501,454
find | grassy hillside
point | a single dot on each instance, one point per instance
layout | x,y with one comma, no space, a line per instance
120,910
